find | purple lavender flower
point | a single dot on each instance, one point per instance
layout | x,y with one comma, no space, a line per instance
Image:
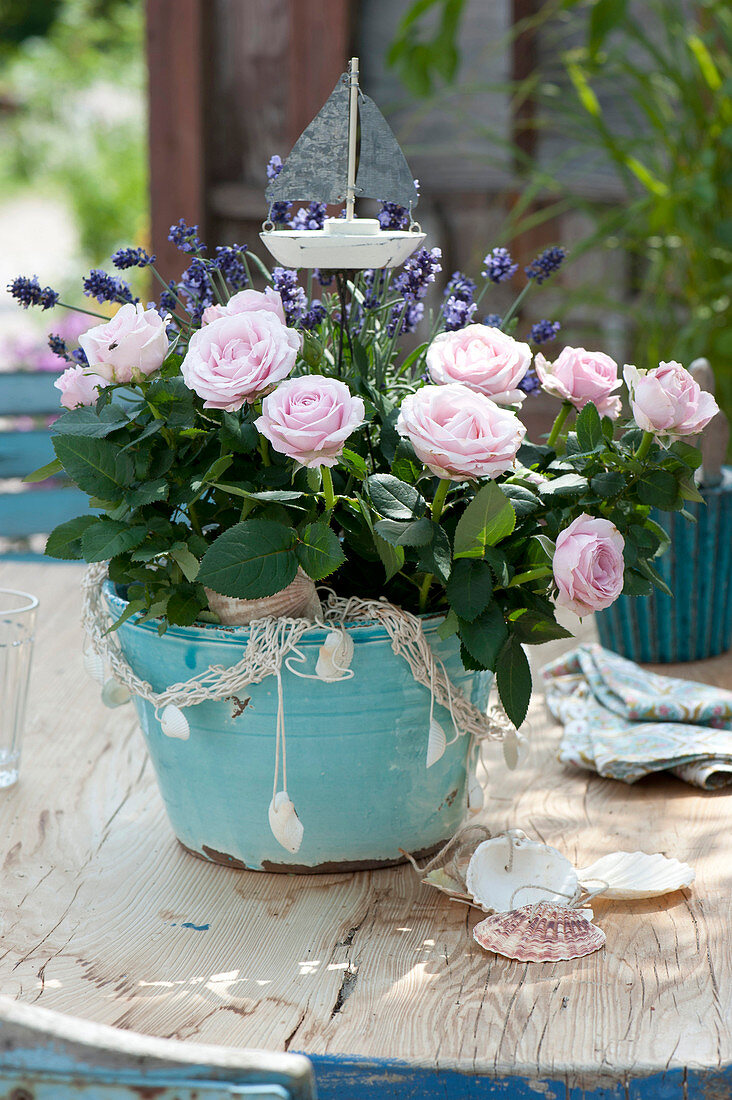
493,320
314,316
294,301
413,314
79,356
279,212
131,257
230,262
325,278
309,217
29,292
393,216
549,261
185,237
274,167
197,287
57,344
417,273
168,300
107,288
530,384
461,287
544,331
457,313
499,266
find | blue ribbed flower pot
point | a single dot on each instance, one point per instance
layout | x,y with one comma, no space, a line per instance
356,751
697,622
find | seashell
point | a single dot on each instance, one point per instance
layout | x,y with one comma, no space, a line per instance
115,694
511,870
94,665
637,875
174,723
335,656
476,797
298,600
285,824
436,744
511,749
539,933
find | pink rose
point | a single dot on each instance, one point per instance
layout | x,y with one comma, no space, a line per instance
79,387
588,565
459,433
239,357
129,347
244,302
580,376
668,400
310,418
482,358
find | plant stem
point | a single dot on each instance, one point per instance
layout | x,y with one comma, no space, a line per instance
559,423
264,451
80,309
195,522
644,446
328,491
438,503
424,591
515,307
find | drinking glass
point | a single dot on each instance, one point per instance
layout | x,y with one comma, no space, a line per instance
17,623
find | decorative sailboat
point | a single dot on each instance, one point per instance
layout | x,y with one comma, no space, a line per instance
322,167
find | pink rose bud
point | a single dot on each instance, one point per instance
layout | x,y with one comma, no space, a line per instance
482,358
79,387
239,357
580,376
310,418
129,347
244,302
588,565
459,433
668,400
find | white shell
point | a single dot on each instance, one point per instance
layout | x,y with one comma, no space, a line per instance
298,600
511,750
115,694
436,744
508,872
335,656
94,665
285,824
476,797
174,723
637,875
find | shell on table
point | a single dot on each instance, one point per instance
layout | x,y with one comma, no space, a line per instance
511,870
298,600
543,932
636,875
335,656
286,826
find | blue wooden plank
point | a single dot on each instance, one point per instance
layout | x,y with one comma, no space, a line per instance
29,394
23,452
91,1087
39,511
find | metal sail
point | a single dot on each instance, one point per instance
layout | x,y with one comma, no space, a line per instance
383,172
317,168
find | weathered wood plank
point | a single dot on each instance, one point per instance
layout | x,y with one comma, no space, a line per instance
33,512
104,916
23,393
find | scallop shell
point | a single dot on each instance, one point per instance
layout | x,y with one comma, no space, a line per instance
511,870
94,665
539,933
285,824
174,723
476,796
335,656
436,744
298,600
115,694
637,875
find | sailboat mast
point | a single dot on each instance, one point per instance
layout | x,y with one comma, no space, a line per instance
352,134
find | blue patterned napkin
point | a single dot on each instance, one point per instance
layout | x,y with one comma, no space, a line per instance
625,722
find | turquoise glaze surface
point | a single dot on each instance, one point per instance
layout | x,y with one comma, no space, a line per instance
355,751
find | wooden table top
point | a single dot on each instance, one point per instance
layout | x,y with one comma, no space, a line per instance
103,916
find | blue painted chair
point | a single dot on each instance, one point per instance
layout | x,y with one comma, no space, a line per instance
32,510
47,1056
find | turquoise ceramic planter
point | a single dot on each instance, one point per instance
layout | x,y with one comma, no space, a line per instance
355,752
697,622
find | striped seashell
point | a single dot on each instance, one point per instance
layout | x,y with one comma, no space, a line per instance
115,694
285,824
174,723
436,743
298,600
335,656
94,665
539,933
512,870
637,875
476,795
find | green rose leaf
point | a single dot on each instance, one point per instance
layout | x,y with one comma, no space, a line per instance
188,562
97,466
658,487
185,604
151,492
513,679
523,500
588,427
237,436
488,518
90,423
319,551
417,533
49,470
109,537
533,628
436,556
485,636
470,588
65,540
354,463
568,485
252,559
636,585
394,499
608,483
392,557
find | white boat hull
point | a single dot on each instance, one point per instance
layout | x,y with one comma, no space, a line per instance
323,249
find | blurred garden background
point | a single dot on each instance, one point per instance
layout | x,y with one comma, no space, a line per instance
604,126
